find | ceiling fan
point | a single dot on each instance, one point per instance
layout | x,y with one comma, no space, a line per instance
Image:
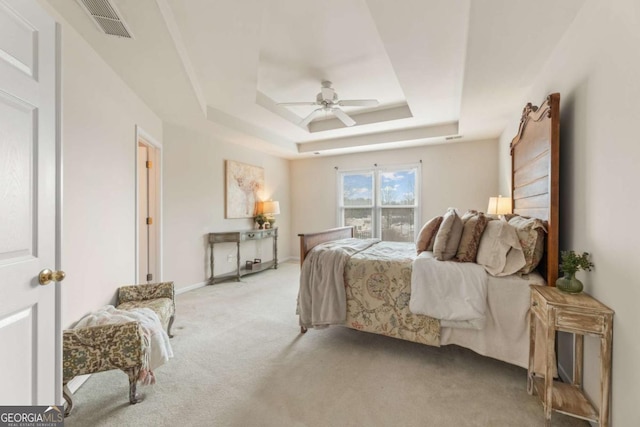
328,101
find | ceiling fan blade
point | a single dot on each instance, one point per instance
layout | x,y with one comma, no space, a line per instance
343,117
310,117
358,103
296,103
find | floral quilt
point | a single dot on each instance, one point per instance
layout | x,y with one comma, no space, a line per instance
378,289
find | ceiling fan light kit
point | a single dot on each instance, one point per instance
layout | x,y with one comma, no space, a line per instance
328,101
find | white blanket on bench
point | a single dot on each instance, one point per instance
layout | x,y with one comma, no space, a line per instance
160,347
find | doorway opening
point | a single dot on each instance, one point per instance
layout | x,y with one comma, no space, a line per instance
148,203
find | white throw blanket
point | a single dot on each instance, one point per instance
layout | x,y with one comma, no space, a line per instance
454,292
322,300
160,347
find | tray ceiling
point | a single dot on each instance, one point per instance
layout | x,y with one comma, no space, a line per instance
438,67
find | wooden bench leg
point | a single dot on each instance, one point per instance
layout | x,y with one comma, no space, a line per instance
171,319
133,374
66,393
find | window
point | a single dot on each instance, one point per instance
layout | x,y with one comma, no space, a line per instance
381,202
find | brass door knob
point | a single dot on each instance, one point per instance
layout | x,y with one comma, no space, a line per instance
47,276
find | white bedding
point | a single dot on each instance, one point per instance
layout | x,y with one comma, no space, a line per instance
453,292
506,333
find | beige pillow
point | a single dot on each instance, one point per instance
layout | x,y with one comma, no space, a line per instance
467,215
448,236
508,216
500,252
427,235
470,240
531,234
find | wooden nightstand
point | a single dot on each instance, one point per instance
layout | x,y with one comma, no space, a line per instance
581,315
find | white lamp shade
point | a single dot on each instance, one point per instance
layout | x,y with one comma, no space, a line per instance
499,205
271,207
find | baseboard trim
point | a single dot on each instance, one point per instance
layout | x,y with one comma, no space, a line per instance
77,382
191,287
203,284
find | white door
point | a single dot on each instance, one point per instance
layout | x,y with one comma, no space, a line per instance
30,363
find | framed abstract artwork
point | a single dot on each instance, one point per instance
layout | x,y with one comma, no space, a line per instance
244,186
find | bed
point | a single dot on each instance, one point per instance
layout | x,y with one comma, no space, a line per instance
377,279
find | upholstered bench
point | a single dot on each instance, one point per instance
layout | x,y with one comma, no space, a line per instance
159,297
100,348
124,346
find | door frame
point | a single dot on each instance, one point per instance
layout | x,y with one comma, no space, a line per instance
59,260
146,138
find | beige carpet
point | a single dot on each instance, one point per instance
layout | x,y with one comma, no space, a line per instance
240,361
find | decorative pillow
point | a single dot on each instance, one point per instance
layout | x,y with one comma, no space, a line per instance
500,252
508,216
467,215
470,240
531,234
427,235
447,239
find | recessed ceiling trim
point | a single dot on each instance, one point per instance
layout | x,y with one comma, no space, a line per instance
237,124
176,36
404,135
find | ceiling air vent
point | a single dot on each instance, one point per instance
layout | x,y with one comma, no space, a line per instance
106,17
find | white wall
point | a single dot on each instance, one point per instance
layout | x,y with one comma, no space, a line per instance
98,140
595,68
194,204
100,114
459,174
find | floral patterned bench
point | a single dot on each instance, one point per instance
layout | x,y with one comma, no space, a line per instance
123,346
160,297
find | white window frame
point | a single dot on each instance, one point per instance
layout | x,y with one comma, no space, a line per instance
377,208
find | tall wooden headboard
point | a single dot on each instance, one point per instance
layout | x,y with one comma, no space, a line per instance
535,174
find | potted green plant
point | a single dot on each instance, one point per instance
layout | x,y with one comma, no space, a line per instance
260,219
571,264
